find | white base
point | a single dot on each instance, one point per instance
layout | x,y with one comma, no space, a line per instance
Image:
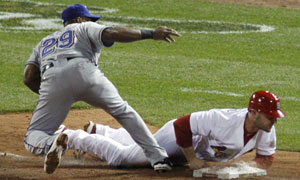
239,171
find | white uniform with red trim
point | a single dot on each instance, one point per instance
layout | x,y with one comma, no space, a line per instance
218,135
117,147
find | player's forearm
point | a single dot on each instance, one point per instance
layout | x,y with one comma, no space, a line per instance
191,158
121,34
188,153
31,78
184,137
124,34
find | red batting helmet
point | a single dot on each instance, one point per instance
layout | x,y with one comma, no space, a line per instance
266,102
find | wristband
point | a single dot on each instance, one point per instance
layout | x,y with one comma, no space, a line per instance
146,34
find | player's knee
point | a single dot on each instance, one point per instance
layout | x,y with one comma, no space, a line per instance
33,149
123,111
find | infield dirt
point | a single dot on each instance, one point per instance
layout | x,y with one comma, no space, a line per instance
286,165
13,128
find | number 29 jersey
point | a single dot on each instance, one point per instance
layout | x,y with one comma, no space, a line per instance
75,40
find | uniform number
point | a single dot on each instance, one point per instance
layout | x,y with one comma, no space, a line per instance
66,40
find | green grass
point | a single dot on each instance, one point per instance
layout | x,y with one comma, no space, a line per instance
150,75
186,26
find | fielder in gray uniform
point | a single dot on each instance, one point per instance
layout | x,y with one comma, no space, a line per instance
63,69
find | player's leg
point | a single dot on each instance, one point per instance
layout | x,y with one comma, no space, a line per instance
120,135
166,138
107,149
103,94
52,146
52,108
38,142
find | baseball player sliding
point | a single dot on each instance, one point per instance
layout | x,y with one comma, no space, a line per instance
214,135
63,69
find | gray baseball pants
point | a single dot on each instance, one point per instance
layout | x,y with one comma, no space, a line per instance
80,80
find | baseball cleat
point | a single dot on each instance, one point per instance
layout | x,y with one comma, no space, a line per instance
53,157
163,166
61,128
90,127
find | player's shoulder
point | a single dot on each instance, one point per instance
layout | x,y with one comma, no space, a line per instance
221,114
228,116
90,24
53,34
88,27
224,111
229,111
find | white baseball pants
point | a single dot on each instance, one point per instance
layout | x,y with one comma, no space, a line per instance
118,148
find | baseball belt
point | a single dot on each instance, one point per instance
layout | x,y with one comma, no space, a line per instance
50,65
46,67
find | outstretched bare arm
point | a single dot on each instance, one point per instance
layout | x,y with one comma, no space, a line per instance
183,135
124,34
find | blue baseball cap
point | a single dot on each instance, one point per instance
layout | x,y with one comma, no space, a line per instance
77,10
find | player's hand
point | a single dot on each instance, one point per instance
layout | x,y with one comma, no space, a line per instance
263,163
164,33
196,163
